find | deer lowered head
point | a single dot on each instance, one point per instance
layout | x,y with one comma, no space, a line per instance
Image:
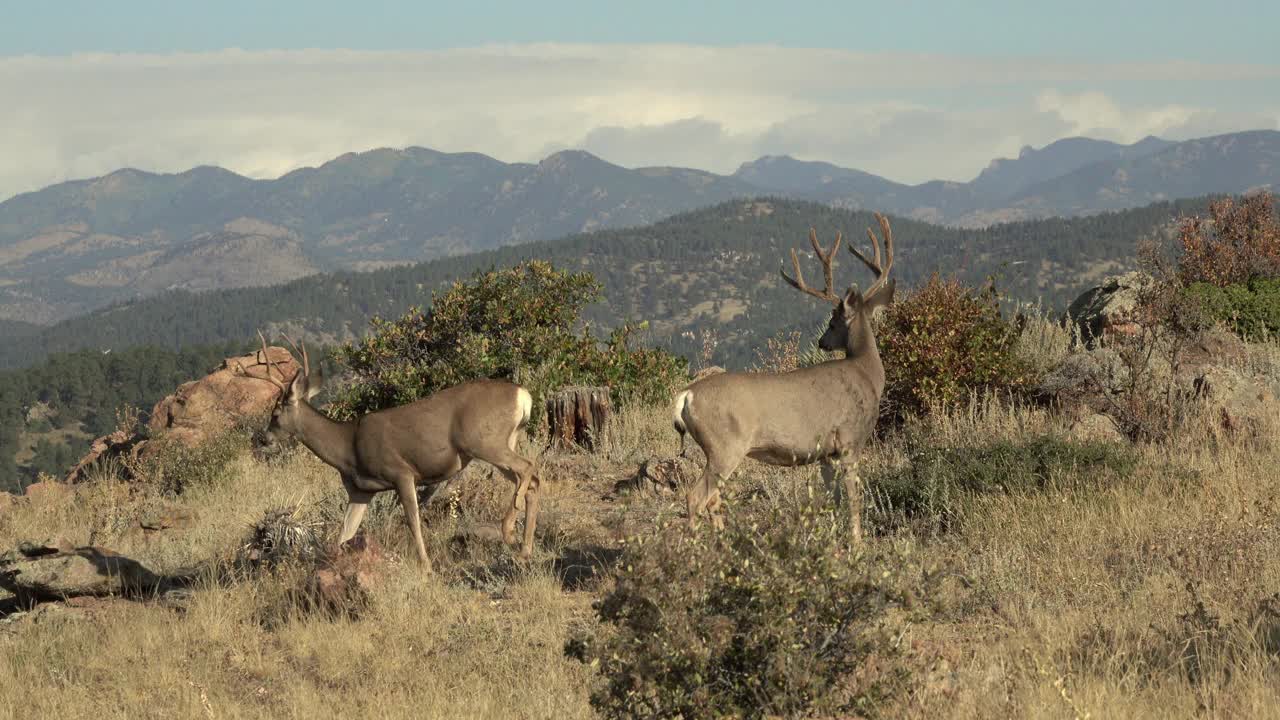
426,442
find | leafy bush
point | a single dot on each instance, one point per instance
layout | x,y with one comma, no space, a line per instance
1239,243
1251,309
522,323
933,485
777,615
943,341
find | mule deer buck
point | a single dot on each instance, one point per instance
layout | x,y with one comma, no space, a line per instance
425,442
824,413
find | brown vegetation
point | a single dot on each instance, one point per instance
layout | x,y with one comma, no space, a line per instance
1144,591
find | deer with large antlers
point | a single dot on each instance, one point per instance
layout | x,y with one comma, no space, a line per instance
824,413
425,442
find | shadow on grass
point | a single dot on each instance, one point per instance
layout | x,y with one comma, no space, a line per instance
492,564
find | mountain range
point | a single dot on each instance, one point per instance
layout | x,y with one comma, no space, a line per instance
713,270
76,246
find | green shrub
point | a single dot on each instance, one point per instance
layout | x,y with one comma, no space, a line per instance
932,487
776,615
1251,309
522,324
942,342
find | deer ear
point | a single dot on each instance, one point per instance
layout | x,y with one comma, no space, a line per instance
315,383
297,389
851,301
882,297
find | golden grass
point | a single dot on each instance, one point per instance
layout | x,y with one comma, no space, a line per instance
1072,604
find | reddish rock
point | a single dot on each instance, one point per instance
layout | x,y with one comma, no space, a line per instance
201,409
344,581
119,444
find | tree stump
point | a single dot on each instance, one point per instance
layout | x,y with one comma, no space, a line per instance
576,417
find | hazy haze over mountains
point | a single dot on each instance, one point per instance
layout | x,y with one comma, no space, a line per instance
78,245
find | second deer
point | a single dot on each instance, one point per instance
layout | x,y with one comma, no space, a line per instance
824,413
425,442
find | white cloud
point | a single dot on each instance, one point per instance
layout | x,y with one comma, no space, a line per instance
908,117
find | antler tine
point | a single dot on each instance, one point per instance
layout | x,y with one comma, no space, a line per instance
825,257
271,365
881,269
306,362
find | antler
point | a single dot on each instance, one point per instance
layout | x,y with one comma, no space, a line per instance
825,257
881,271
270,366
306,362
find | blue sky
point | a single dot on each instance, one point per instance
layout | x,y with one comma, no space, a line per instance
1116,30
909,90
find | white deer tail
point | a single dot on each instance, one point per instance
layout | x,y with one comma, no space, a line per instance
684,401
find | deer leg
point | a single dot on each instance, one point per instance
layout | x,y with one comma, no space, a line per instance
406,488
705,494
530,514
853,489
357,503
521,474
848,491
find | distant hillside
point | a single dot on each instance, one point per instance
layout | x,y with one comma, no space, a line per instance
12,329
1004,178
78,246
1067,178
1227,163
713,268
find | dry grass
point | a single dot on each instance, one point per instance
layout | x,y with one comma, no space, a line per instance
1075,603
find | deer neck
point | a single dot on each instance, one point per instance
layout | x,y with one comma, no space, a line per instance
332,441
863,353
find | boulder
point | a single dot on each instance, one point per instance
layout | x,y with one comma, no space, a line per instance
43,571
120,444
198,410
344,581
1240,401
1110,308
202,409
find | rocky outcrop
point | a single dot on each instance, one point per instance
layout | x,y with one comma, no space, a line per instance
201,409
121,445
55,570
198,410
1110,308
1241,402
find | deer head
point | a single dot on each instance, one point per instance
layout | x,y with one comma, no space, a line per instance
287,413
850,326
